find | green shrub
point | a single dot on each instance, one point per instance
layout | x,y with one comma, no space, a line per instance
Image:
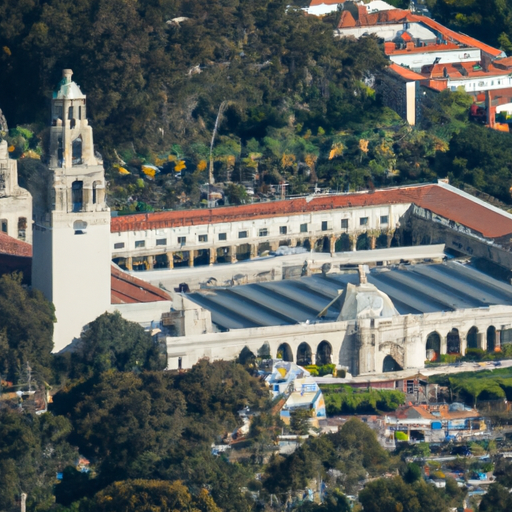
343,401
475,354
401,436
449,358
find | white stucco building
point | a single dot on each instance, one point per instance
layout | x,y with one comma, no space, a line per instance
428,310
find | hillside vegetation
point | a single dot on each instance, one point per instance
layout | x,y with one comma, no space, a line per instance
294,105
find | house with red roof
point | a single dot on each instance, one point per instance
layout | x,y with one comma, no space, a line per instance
426,54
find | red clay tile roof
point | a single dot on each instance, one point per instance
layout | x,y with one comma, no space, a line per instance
506,62
14,247
376,18
406,73
456,36
391,49
438,85
444,202
400,15
462,70
346,20
452,206
127,289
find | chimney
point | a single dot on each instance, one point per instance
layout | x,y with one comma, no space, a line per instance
67,74
23,507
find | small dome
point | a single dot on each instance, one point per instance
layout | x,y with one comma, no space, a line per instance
67,89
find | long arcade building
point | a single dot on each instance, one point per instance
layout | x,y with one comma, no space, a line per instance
422,214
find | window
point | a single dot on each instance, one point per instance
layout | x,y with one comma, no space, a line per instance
119,245
203,238
76,150
283,230
223,236
140,243
22,228
363,221
384,219
3,225
161,241
325,225
182,240
344,223
303,228
77,195
80,227
263,232
242,234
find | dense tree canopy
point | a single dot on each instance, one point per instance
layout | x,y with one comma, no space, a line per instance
110,341
155,425
150,496
32,450
26,331
298,105
353,451
389,495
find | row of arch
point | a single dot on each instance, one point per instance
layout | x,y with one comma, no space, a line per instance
453,342
346,242
304,356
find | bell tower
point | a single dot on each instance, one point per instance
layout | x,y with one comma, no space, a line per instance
71,247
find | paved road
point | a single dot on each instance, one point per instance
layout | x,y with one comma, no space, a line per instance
224,273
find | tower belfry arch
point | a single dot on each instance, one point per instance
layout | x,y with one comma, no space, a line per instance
73,271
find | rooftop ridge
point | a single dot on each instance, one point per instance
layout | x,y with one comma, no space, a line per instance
143,221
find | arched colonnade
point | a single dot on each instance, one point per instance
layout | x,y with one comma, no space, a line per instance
456,341
306,355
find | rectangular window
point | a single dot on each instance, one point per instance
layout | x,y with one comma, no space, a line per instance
3,225
363,221
203,238
77,194
263,232
182,240
283,230
223,236
384,219
22,228
140,243
119,245
303,228
242,234
325,225
344,223
161,241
